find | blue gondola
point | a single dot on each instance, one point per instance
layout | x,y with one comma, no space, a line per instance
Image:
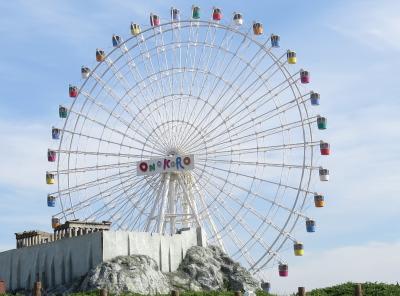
51,201
55,133
314,98
275,40
116,40
310,225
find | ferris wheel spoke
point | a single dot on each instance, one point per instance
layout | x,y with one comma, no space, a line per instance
258,163
259,179
207,66
255,194
228,228
111,208
123,80
105,126
95,153
275,112
248,228
86,202
248,64
144,196
247,151
209,218
264,134
216,76
234,128
118,100
95,168
127,196
108,141
111,113
96,182
256,213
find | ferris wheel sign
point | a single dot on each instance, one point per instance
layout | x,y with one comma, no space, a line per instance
170,164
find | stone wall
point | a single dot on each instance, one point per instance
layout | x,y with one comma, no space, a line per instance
62,261
53,263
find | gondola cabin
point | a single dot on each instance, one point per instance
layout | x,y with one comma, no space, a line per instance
298,249
195,12
51,201
51,155
85,72
310,225
319,201
217,14
266,286
283,270
322,122
175,14
154,20
291,57
62,111
100,55
135,29
73,91
55,222
325,148
55,133
275,39
50,178
304,76
324,174
116,40
314,98
258,28
238,19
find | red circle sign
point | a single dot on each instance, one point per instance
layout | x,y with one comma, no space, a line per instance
143,166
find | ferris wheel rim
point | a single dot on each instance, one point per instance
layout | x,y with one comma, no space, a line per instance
281,67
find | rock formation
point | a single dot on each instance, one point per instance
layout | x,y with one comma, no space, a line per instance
211,269
207,269
137,273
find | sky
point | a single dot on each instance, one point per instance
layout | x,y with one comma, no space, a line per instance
351,49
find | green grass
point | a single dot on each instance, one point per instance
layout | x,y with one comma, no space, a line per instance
368,289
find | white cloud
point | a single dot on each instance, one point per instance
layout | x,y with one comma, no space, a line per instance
372,262
375,24
23,155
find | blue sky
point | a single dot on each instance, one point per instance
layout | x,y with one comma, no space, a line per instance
351,49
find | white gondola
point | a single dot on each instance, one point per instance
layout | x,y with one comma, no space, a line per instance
323,174
238,18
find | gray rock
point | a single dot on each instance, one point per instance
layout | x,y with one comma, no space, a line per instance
207,269
211,269
137,273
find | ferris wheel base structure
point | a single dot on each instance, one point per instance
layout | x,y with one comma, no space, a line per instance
63,261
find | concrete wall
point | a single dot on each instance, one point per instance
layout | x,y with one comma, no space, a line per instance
62,261
53,263
167,250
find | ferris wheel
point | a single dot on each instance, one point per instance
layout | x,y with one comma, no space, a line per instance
202,121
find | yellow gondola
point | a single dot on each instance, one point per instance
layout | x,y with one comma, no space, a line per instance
50,178
291,57
298,249
135,29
